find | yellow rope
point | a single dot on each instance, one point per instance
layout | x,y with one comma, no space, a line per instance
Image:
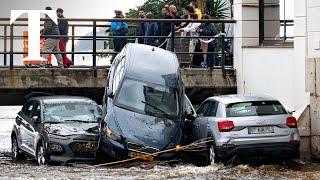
177,149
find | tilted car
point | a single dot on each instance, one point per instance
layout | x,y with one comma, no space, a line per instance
246,126
142,103
57,128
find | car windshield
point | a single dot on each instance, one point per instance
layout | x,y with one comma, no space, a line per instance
148,99
71,112
255,108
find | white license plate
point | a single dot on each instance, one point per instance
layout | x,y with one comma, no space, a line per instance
261,130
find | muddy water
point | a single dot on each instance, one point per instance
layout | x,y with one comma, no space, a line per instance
29,169
157,170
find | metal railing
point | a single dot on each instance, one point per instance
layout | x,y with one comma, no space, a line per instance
221,53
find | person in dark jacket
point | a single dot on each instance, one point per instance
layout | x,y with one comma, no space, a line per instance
51,43
63,29
164,27
175,14
208,45
151,30
119,29
141,30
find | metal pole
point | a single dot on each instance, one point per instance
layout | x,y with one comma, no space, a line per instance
5,45
72,44
172,37
261,21
94,48
11,47
223,50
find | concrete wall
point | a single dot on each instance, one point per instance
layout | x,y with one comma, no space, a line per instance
312,28
83,78
269,71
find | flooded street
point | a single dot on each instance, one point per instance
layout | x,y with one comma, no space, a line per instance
139,170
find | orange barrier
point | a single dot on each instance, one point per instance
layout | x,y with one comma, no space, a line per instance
25,49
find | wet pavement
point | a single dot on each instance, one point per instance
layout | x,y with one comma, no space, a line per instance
28,169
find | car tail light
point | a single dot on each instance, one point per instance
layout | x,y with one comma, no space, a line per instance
292,122
225,125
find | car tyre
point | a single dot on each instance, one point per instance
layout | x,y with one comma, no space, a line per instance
16,155
41,155
212,155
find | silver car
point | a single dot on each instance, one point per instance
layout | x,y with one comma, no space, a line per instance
245,126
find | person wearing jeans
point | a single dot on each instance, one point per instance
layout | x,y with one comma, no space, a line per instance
51,43
208,46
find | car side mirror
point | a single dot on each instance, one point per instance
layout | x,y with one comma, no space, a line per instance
109,93
190,116
35,119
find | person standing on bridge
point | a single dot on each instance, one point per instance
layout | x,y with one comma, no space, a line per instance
51,30
141,30
119,29
63,29
164,28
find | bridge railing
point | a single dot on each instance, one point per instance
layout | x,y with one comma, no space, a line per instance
223,52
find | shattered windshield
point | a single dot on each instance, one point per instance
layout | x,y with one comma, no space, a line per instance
71,112
148,98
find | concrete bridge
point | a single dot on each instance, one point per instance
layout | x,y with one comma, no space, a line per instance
16,83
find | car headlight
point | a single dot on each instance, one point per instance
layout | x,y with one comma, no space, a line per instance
54,136
111,134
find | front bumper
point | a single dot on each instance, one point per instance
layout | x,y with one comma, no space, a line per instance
277,150
119,151
74,149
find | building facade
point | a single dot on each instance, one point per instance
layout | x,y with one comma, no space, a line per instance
269,62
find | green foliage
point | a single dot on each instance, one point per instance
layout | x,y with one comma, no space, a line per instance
155,7
217,9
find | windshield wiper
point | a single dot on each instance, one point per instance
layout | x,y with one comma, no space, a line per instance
158,109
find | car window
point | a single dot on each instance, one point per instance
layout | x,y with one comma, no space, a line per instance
71,111
36,110
203,109
255,108
212,109
188,106
118,73
27,108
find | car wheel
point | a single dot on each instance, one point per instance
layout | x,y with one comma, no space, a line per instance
16,155
42,157
212,156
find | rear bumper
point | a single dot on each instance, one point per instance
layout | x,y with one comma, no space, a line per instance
279,150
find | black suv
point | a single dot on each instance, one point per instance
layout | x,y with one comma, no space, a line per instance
57,128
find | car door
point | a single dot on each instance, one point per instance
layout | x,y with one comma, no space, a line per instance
189,118
34,125
209,114
24,117
199,119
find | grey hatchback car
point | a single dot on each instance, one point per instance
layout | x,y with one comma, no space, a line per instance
245,126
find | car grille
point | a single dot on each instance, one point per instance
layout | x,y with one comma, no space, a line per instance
142,148
86,149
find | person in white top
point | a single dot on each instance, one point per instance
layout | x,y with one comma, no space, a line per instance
191,29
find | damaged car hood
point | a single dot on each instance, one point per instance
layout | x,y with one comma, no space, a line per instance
147,130
65,129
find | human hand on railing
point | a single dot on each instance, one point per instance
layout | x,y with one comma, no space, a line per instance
181,30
